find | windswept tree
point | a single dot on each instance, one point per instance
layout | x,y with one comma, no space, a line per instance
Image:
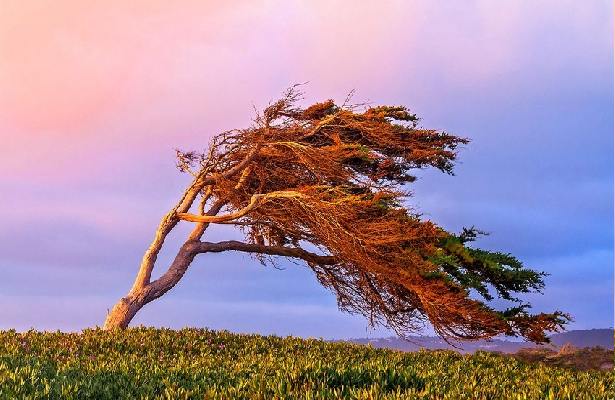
326,185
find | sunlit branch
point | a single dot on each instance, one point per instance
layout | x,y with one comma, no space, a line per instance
255,201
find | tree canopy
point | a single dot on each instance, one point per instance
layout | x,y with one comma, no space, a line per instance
329,185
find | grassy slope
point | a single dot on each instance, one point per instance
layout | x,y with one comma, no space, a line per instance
150,363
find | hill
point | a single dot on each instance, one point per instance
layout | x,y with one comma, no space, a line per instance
194,363
578,338
585,338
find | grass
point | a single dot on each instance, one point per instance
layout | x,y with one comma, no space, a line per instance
145,363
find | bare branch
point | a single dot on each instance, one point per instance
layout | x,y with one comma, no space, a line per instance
295,252
200,228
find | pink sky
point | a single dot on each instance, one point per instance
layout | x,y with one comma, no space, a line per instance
102,76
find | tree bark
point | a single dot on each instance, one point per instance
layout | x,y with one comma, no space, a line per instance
127,307
124,311
143,291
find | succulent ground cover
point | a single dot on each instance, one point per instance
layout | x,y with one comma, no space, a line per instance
146,363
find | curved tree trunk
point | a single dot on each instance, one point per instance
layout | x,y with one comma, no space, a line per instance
123,312
125,309
143,291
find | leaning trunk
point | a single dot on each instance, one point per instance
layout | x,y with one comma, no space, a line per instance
124,311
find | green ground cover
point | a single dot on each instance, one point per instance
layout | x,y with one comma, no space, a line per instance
202,364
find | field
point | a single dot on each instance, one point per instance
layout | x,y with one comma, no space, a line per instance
149,363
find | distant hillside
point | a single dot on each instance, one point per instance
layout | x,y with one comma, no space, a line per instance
585,338
578,338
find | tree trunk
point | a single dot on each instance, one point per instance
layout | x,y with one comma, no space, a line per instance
143,291
124,311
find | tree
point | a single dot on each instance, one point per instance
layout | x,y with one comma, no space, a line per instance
325,185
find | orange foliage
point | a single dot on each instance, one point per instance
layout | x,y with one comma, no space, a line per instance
327,180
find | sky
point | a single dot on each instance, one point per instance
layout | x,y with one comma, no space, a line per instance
95,96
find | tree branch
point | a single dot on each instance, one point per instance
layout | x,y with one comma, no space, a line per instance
199,228
169,221
232,171
166,225
295,252
255,201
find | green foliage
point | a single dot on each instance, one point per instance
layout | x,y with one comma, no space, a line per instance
492,273
476,269
195,364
